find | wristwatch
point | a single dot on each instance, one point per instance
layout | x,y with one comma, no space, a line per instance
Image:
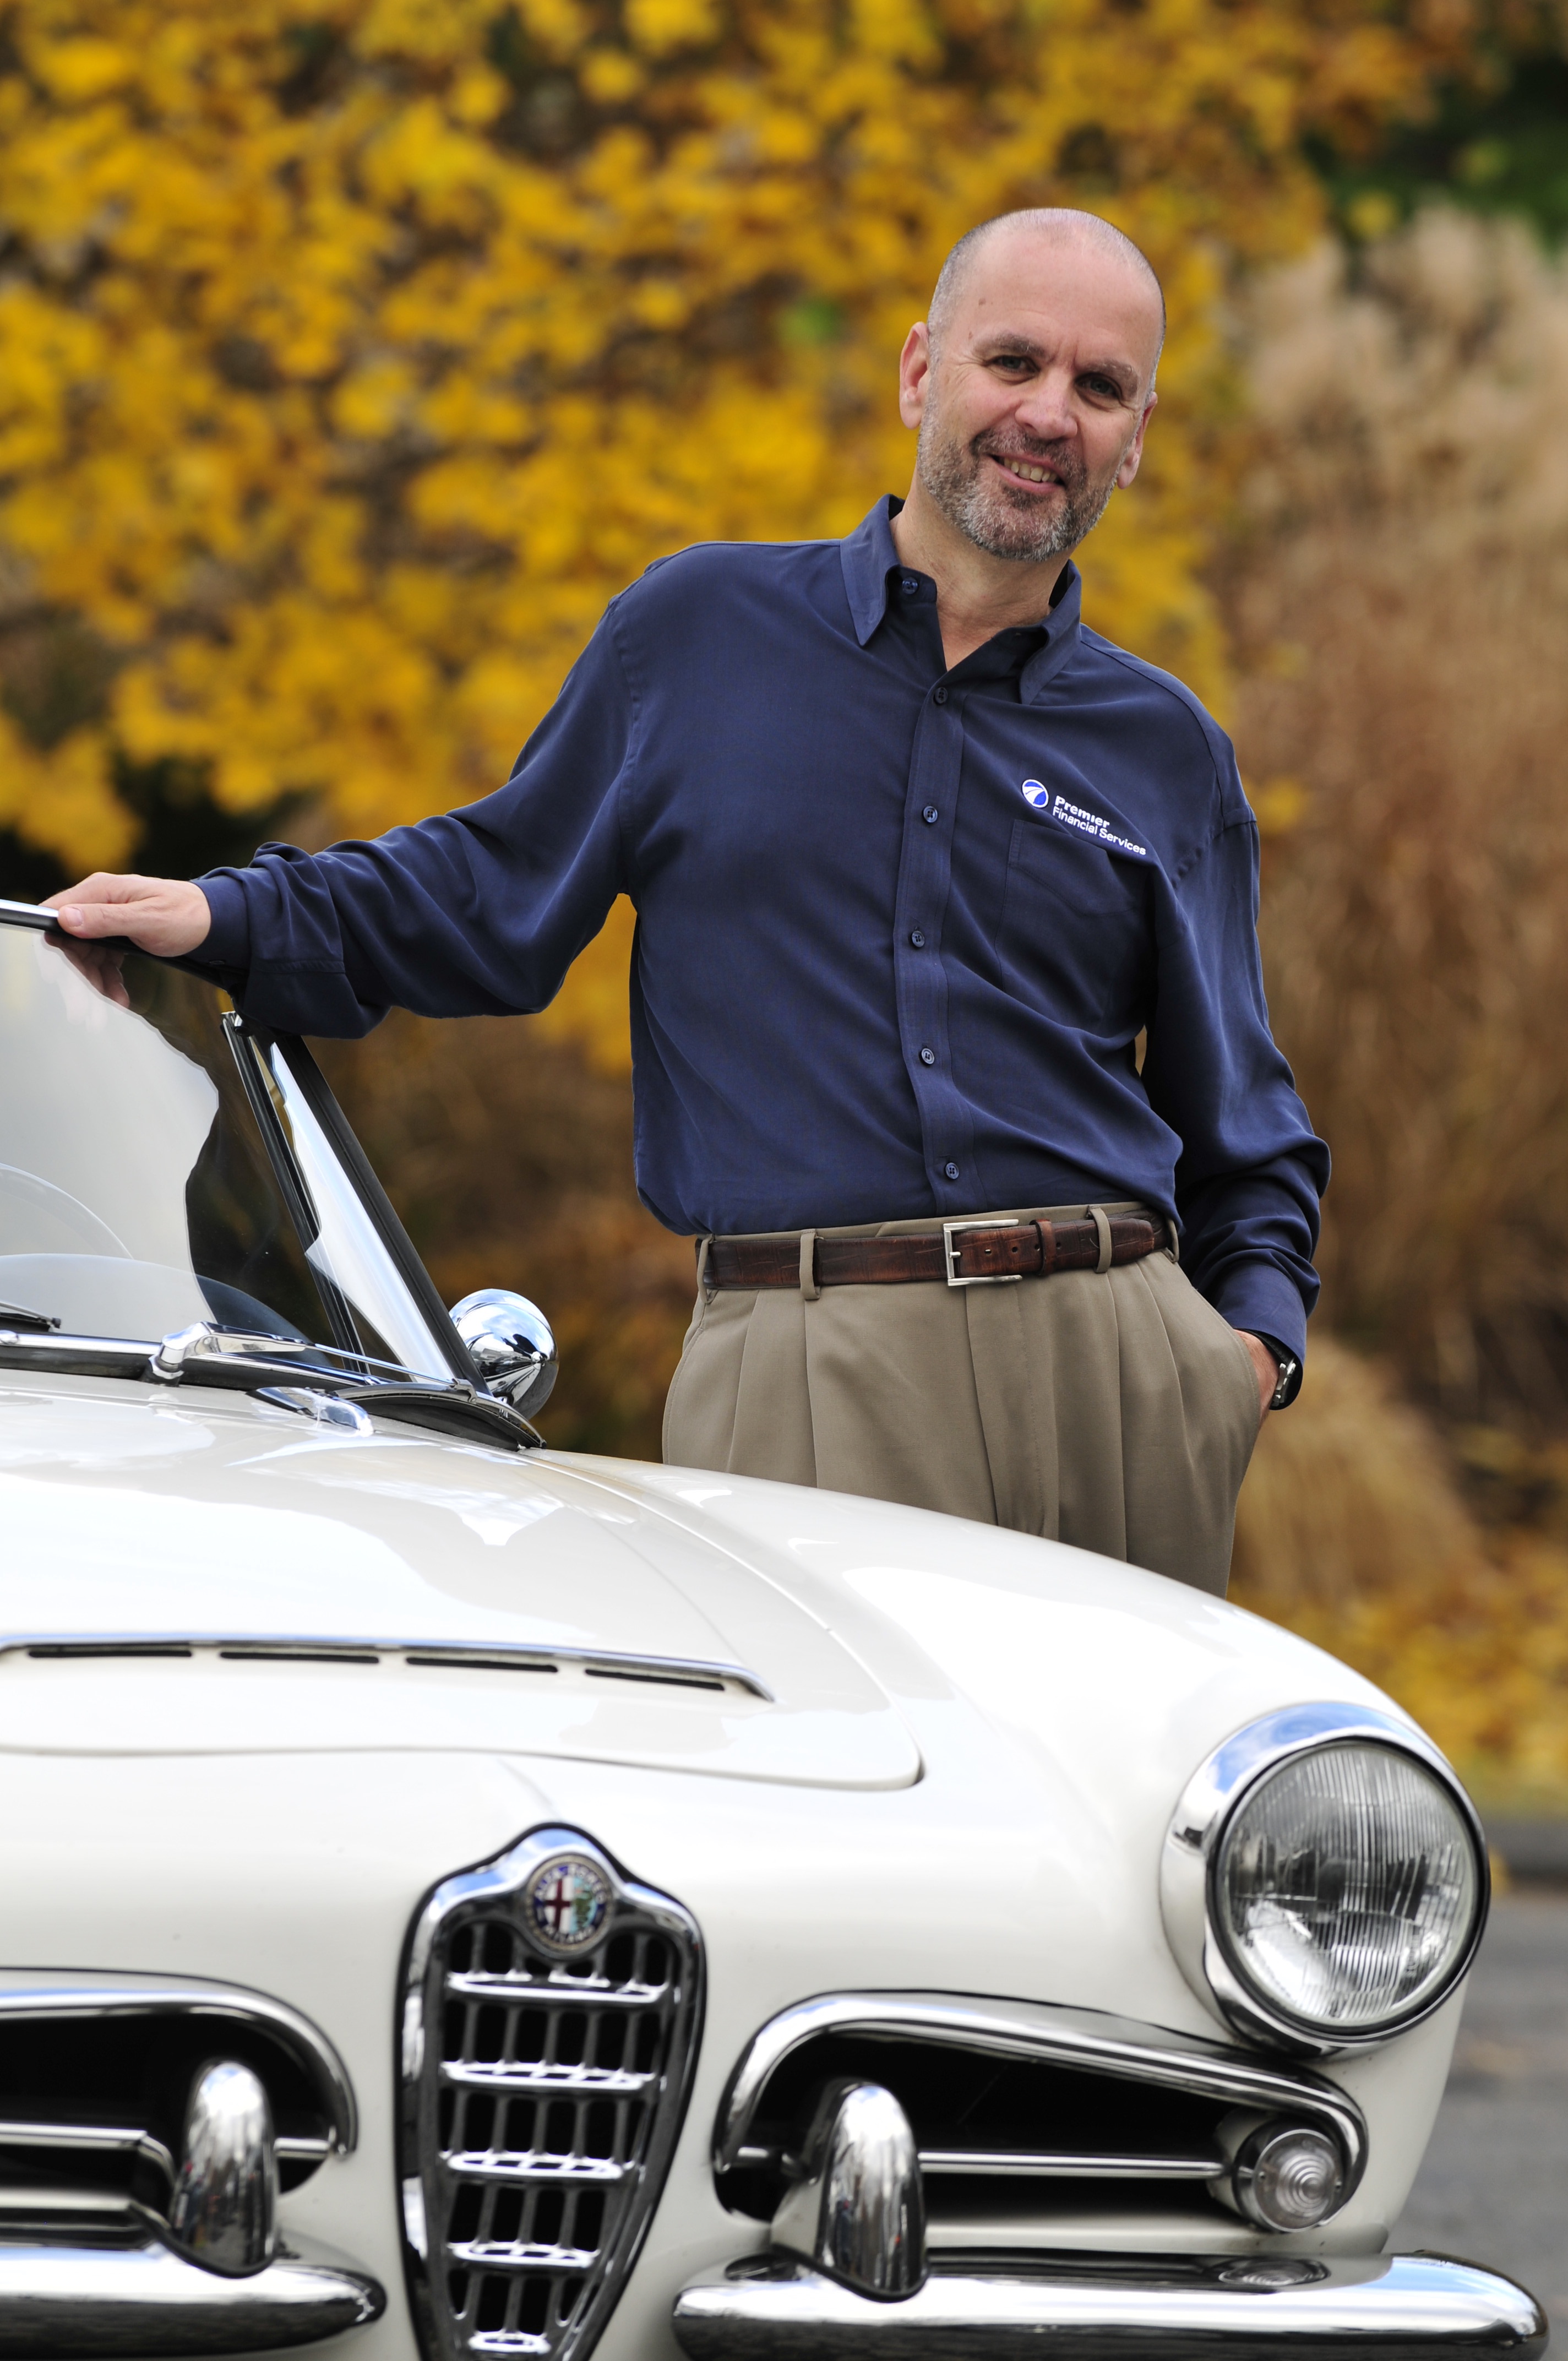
1290,1385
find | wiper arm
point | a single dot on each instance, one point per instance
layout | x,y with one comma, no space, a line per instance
17,1315
204,1356
213,1357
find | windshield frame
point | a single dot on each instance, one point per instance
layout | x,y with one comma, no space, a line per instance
344,1148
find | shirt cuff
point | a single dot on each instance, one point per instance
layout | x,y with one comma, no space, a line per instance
228,942
1258,1297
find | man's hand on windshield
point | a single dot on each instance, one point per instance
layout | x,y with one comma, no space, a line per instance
163,915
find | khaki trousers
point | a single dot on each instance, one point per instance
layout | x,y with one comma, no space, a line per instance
1114,1409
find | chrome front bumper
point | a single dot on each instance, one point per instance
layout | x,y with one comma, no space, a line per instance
1116,2308
64,2299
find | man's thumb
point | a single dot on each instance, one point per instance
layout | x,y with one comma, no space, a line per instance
91,918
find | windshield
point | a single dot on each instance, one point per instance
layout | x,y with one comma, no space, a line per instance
163,1164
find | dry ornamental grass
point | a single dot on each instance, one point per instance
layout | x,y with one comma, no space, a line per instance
1399,603
1399,595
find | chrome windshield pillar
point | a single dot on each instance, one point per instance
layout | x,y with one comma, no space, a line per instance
860,2211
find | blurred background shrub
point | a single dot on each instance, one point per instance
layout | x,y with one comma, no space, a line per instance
354,354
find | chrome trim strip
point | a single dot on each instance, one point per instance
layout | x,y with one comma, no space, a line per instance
1059,2165
512,2257
1191,1851
97,2139
549,2082
1044,2034
540,2172
1122,2308
43,1992
475,1655
131,2298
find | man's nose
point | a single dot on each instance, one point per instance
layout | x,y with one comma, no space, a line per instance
1046,412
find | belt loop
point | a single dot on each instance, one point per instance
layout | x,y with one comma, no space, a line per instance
1097,1215
1173,1239
808,1286
702,1286
1047,1238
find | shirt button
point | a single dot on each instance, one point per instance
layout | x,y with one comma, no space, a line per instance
918,939
909,586
941,694
930,815
927,1057
951,1170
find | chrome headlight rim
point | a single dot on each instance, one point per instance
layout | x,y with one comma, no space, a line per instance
1194,1848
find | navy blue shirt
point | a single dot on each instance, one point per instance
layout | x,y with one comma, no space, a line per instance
899,927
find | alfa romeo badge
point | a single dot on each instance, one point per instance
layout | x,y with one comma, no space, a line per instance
567,1903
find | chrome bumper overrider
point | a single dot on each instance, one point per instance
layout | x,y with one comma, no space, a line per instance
63,2297
1013,2308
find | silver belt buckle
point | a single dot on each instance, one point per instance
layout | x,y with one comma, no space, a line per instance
982,1278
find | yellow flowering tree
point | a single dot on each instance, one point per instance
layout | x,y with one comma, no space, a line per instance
354,351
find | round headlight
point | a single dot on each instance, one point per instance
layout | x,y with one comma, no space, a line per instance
1343,1877
1345,1889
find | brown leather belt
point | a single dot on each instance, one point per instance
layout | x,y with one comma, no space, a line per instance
962,1253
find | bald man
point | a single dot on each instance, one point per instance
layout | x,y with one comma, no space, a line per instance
951,1043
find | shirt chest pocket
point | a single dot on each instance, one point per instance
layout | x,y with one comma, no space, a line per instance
1076,930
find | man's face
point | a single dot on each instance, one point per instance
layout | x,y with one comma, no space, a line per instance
1032,409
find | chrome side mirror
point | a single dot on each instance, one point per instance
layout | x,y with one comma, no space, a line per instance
225,2212
513,1349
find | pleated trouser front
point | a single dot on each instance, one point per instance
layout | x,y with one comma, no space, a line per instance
1116,1411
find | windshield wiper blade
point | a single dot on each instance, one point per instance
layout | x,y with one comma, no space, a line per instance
454,1408
17,1315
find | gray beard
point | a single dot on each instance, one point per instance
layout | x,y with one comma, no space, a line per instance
1002,522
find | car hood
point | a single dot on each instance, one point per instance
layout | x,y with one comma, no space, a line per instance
206,1574
453,1595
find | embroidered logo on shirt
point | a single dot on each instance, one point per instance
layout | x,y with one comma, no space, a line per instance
1073,816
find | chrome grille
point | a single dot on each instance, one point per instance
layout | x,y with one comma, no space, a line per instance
544,2075
1024,2114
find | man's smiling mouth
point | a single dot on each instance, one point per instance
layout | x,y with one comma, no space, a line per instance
1024,471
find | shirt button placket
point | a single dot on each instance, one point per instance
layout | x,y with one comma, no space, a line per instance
924,883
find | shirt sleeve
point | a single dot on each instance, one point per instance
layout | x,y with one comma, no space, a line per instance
1251,1171
475,913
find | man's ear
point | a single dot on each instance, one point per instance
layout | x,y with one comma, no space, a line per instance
915,374
1135,451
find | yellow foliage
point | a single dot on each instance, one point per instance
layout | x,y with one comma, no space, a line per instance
354,351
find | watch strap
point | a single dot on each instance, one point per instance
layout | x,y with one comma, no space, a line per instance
1290,1371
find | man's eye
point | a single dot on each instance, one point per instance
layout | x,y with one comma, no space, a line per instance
1012,361
1104,388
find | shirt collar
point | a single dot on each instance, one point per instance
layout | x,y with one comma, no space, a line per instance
869,557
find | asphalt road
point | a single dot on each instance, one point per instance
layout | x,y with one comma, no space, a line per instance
1493,2187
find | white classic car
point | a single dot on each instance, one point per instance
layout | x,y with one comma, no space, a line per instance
469,1900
